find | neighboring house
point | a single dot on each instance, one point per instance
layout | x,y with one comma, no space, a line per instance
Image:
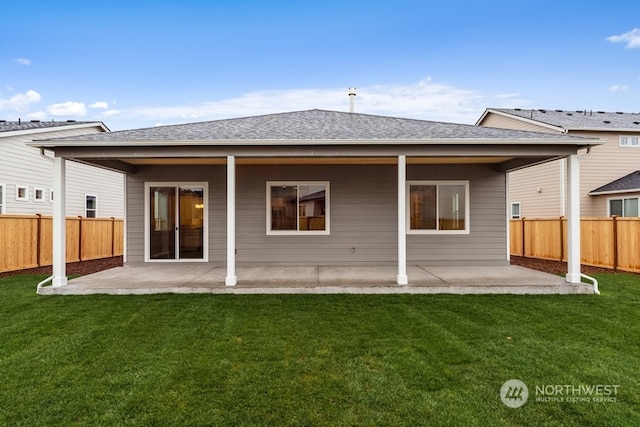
608,172
26,185
317,188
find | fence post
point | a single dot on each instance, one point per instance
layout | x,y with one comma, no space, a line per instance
38,237
524,236
561,239
615,242
80,238
113,236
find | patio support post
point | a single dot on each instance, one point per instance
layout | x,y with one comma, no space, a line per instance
402,278
573,219
231,279
59,223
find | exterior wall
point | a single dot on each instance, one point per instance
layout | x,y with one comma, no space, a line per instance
363,215
538,189
21,165
499,121
605,163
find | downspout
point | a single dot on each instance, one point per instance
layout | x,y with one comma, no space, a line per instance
44,156
41,284
593,281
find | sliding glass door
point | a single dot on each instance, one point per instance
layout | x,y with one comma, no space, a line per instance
176,221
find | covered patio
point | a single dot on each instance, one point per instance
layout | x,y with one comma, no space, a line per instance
347,202
187,278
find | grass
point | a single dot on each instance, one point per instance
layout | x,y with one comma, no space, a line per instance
314,359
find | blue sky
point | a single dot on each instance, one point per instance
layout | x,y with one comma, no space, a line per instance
143,63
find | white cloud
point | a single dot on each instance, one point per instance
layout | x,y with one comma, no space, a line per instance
20,102
425,99
23,61
631,38
102,105
619,88
68,108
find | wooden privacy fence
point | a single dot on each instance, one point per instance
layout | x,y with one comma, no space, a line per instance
604,242
26,240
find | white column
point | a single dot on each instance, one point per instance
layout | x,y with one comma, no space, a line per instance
402,278
59,223
573,219
231,279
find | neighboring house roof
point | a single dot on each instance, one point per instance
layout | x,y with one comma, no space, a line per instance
9,128
565,120
627,184
313,126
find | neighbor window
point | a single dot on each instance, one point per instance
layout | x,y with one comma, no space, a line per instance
2,191
629,141
623,207
91,206
515,210
22,192
38,194
438,207
297,208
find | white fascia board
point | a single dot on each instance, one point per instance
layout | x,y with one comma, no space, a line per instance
307,142
602,193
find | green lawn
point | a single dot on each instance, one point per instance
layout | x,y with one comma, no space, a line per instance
314,359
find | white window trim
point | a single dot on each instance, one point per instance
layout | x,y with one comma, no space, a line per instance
22,199
51,196
327,202
519,210
467,222
628,141
609,199
42,199
205,223
3,198
85,205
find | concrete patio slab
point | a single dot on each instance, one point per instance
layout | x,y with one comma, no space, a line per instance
185,278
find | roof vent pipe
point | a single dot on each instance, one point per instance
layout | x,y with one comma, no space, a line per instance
352,99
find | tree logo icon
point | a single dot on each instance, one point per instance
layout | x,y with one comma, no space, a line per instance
514,393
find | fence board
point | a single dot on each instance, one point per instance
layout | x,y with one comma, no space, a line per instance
27,244
628,244
605,242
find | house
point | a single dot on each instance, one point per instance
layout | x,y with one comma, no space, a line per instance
317,188
26,185
608,172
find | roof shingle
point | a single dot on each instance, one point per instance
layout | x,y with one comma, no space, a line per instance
314,125
628,183
577,120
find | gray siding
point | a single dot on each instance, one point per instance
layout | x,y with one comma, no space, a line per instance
363,215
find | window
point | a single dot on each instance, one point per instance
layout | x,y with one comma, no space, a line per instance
515,210
91,206
22,193
629,141
2,191
38,194
438,207
51,196
623,207
297,208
